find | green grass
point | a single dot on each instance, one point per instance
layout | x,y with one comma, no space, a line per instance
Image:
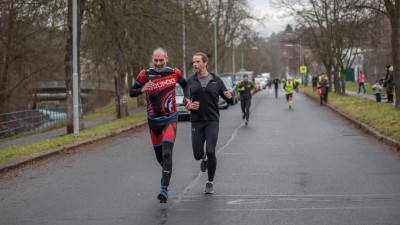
382,117
109,109
352,86
104,111
112,127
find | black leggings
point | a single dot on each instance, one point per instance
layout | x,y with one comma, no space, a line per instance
162,133
245,104
205,131
361,85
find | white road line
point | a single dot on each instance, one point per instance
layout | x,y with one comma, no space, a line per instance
180,196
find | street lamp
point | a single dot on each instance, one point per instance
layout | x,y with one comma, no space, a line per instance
183,39
215,38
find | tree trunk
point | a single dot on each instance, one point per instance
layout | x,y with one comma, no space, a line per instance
121,107
337,80
343,82
68,71
396,53
6,62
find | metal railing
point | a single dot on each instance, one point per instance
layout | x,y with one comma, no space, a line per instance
13,123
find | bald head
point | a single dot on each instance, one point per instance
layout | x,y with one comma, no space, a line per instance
159,59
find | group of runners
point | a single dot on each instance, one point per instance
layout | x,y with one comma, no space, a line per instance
201,94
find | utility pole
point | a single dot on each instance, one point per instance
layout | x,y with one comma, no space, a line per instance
183,39
233,59
215,38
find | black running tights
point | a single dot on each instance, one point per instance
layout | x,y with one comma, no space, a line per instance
245,105
205,132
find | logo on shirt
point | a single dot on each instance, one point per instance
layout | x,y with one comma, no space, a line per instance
165,83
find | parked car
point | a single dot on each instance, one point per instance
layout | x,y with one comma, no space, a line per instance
230,75
183,113
231,87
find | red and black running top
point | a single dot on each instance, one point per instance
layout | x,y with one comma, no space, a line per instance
160,100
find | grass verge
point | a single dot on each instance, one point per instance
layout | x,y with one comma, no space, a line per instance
104,111
352,86
380,116
112,127
109,109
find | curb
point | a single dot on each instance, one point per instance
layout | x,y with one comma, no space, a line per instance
13,164
364,127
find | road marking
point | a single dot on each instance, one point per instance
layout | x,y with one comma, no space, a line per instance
304,196
305,208
275,202
187,188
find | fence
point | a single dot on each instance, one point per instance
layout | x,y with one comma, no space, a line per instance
22,121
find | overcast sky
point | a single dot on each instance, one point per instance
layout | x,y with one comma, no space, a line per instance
274,23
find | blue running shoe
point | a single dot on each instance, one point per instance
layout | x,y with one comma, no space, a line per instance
163,196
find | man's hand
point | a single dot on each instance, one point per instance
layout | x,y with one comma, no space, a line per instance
193,105
148,86
242,88
187,103
228,94
251,92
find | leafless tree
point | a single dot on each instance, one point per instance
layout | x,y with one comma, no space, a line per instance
335,29
391,9
27,48
233,20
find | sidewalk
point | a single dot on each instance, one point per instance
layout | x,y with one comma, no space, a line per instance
368,96
58,132
361,95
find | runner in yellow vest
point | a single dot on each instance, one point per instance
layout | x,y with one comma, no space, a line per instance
289,86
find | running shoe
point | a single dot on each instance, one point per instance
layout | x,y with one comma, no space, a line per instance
209,188
246,122
163,196
203,165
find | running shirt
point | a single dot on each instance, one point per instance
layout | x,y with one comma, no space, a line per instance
208,97
289,86
276,83
248,87
160,100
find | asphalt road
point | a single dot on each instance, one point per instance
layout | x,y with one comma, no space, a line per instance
300,166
